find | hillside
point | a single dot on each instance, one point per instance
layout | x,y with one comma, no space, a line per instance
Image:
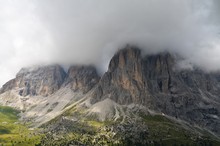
14,132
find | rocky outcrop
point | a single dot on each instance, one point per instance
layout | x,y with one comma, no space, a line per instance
158,70
81,78
124,82
190,95
42,80
154,82
45,80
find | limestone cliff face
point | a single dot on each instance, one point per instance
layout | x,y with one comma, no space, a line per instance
190,95
153,81
124,81
158,70
81,78
132,78
43,80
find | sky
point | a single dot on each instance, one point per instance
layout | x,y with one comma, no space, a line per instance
36,32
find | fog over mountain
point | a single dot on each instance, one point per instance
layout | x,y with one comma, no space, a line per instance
89,32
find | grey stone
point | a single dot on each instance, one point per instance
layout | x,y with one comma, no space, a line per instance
42,80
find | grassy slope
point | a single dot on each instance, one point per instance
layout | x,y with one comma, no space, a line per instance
14,133
166,132
162,131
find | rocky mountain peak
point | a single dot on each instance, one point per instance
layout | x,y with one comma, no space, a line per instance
124,77
81,78
126,66
124,57
132,78
41,80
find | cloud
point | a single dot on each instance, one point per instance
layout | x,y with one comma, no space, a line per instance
89,32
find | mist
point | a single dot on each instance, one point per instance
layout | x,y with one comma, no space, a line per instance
90,32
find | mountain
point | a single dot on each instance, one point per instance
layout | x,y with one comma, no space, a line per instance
156,83
139,100
37,81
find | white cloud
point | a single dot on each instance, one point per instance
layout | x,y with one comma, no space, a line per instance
89,32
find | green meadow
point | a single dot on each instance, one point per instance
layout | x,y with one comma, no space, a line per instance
13,132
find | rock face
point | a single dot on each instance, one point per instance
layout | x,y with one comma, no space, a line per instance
46,80
154,82
43,80
81,78
190,95
124,82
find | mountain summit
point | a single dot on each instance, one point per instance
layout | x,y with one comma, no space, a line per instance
134,88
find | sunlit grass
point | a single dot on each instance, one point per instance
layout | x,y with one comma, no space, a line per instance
12,132
167,132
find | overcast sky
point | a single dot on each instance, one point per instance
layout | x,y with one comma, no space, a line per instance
90,31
